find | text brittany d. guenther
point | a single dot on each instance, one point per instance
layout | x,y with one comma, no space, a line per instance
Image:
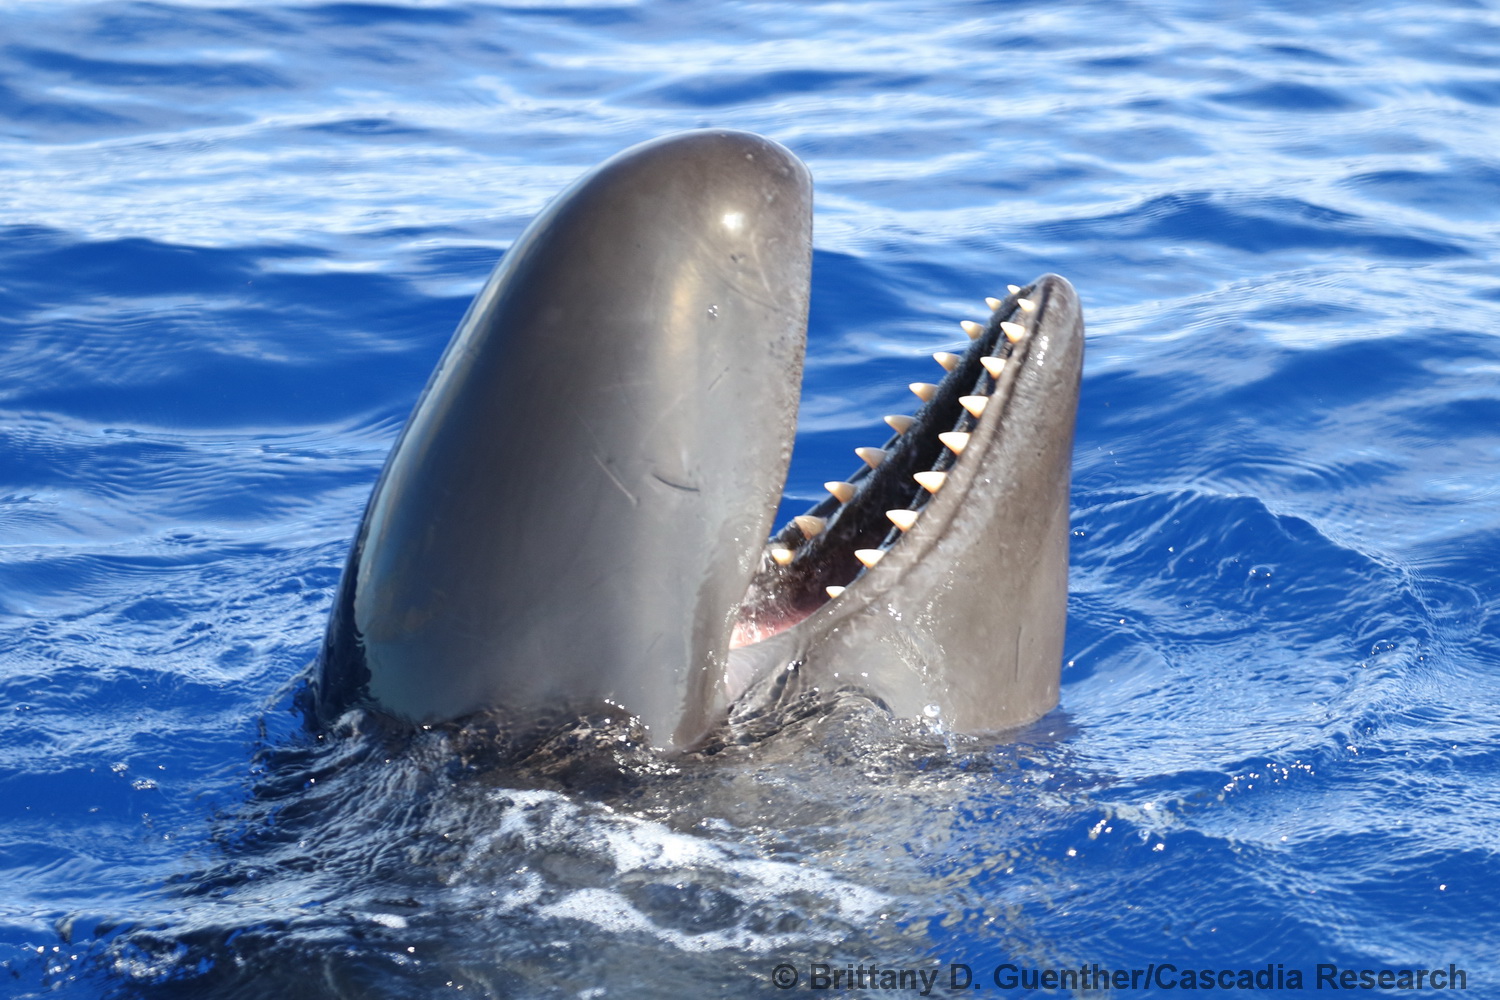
1093,976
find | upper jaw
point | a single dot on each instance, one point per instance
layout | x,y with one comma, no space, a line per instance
564,519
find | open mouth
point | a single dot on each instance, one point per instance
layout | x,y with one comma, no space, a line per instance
613,572
819,555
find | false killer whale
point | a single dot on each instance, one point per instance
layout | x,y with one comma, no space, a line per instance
576,513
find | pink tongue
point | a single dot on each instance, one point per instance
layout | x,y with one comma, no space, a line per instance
758,628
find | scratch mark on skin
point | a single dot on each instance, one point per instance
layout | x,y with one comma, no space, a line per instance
676,486
634,500
603,465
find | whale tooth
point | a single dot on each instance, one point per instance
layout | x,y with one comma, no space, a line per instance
899,423
834,591
1013,331
869,556
844,492
993,365
902,519
810,524
872,456
948,361
993,303
1026,305
974,404
782,556
931,481
924,390
1013,289
973,329
956,441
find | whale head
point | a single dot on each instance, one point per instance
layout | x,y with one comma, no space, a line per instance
576,513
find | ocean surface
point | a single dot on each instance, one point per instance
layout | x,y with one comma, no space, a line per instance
237,236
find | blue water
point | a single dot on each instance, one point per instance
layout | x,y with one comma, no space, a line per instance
237,236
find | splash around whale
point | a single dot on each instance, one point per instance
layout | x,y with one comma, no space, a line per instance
579,719
575,517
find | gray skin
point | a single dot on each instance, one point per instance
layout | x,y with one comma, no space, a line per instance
574,516
962,619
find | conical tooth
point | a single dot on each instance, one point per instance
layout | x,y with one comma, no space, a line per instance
973,329
1013,331
1013,289
899,423
948,361
924,390
956,441
931,481
869,556
993,303
974,404
1026,305
993,365
834,591
902,519
844,492
872,456
782,556
810,524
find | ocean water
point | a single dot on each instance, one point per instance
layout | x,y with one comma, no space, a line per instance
237,236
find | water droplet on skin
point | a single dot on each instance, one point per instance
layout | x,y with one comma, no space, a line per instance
713,312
